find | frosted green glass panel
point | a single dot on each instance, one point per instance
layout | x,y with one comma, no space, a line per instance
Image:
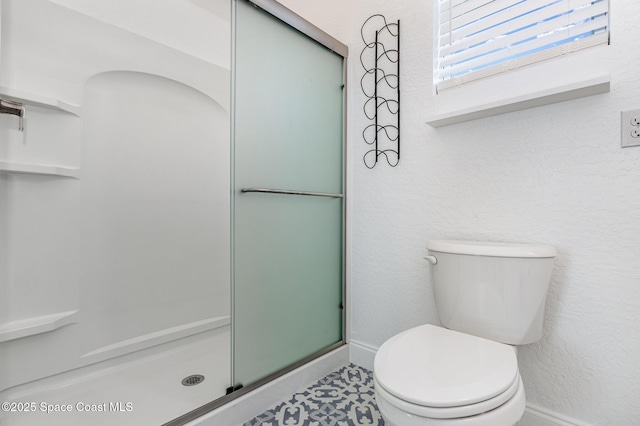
288,248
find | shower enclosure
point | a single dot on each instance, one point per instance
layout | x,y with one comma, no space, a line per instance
171,208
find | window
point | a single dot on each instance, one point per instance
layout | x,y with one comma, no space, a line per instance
479,38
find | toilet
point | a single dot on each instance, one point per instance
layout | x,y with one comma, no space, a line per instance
490,298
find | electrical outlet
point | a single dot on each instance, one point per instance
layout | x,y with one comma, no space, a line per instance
630,125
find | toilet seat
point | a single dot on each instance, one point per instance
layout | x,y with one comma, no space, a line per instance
507,414
438,373
449,412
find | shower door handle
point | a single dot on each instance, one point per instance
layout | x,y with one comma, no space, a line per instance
290,192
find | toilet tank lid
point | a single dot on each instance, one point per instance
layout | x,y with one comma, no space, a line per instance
482,248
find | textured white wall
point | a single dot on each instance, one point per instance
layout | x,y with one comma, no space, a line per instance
554,174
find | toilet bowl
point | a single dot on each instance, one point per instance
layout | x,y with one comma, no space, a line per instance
431,376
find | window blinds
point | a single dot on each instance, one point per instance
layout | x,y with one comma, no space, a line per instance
478,38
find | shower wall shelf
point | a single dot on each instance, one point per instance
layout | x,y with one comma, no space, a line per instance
39,100
40,169
36,325
156,338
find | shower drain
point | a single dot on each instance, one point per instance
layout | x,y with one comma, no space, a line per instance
193,380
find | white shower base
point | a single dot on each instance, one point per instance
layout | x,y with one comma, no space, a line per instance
143,388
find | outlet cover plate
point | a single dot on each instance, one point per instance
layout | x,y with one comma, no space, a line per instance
627,126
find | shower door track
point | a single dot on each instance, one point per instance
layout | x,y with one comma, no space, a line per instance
201,411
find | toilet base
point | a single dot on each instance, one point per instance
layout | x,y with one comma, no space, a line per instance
507,414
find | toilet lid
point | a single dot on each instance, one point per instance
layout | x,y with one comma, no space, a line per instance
436,367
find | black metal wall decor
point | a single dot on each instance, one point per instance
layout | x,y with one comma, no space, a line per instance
380,83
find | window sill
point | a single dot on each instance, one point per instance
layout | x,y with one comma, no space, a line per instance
558,94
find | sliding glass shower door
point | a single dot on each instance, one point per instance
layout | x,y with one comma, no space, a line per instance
288,196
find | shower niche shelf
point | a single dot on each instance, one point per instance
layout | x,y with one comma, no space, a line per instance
40,169
39,100
32,99
36,325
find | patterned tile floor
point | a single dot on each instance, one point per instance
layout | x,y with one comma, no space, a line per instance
343,398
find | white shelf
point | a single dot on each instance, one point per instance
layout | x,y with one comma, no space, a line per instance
559,94
35,325
156,338
40,169
39,100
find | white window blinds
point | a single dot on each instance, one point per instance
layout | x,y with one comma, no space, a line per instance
478,38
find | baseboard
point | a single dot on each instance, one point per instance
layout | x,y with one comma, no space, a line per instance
538,416
265,397
362,354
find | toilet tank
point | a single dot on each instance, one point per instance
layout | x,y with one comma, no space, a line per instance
492,290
